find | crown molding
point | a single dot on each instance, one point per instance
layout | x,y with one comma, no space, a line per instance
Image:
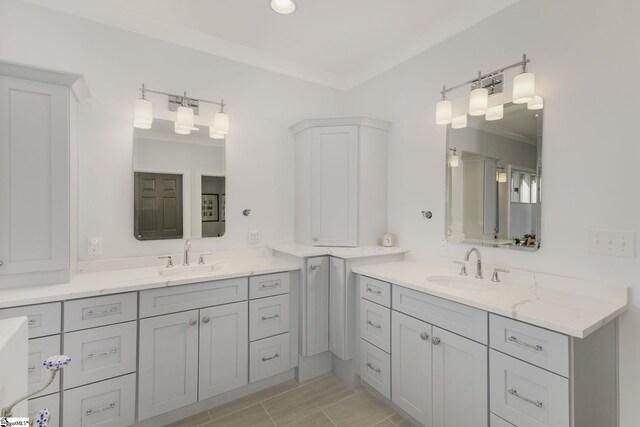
115,16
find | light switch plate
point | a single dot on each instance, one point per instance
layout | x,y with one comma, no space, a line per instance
94,245
613,243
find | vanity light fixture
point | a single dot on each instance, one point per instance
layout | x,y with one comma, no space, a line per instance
485,85
143,114
454,159
186,108
283,7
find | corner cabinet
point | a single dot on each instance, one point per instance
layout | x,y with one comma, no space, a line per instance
340,181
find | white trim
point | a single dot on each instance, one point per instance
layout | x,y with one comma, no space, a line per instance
339,121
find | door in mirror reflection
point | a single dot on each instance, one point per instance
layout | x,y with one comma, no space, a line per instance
493,180
180,184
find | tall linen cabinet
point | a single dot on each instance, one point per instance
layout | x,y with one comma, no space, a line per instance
340,181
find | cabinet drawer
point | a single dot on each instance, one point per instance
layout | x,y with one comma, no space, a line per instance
100,311
51,403
268,285
375,368
268,357
100,353
39,350
268,316
495,421
375,290
107,403
375,324
525,395
188,297
541,347
43,319
458,318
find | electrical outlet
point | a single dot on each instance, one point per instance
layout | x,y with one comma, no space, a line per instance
94,245
613,243
253,237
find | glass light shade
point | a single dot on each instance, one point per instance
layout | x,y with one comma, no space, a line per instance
536,103
454,161
495,113
143,114
478,102
524,88
443,112
213,133
459,122
179,130
283,7
221,123
184,119
502,177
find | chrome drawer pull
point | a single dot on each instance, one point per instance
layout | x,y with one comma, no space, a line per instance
369,322
374,291
515,393
264,359
31,322
275,316
107,353
271,286
94,313
31,369
376,370
525,344
97,411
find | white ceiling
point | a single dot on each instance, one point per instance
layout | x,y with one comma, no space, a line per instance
338,43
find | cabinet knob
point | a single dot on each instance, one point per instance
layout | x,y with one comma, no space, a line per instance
313,267
435,340
1,263
315,238
424,336
193,322
206,319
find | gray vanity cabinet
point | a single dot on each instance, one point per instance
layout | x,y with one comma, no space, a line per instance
315,339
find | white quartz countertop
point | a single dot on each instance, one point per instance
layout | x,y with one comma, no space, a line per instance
112,281
305,251
569,306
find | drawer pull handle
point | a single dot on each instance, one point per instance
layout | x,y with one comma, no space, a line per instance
95,313
370,323
515,393
275,356
97,411
373,291
31,369
376,370
275,316
106,353
525,344
271,286
424,336
31,322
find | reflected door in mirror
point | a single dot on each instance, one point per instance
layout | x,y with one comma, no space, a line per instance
158,206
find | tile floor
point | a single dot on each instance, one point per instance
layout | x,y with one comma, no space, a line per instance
324,401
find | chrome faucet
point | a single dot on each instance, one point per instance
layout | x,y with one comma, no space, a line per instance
478,262
187,250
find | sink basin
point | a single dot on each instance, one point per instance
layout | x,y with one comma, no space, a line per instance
467,284
185,270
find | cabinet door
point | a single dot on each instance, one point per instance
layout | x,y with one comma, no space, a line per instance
337,307
317,306
411,367
334,186
224,349
460,377
168,366
34,183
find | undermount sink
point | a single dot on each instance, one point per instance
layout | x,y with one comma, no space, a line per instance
467,284
184,270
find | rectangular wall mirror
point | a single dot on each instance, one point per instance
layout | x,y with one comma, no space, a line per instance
494,180
179,183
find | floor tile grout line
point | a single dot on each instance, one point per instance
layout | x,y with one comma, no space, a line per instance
391,421
328,417
268,414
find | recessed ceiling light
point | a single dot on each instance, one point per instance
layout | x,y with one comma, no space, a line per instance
283,7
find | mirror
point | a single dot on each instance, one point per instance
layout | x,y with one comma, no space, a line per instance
494,180
179,183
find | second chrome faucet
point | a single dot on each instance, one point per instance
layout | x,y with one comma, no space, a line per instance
478,261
